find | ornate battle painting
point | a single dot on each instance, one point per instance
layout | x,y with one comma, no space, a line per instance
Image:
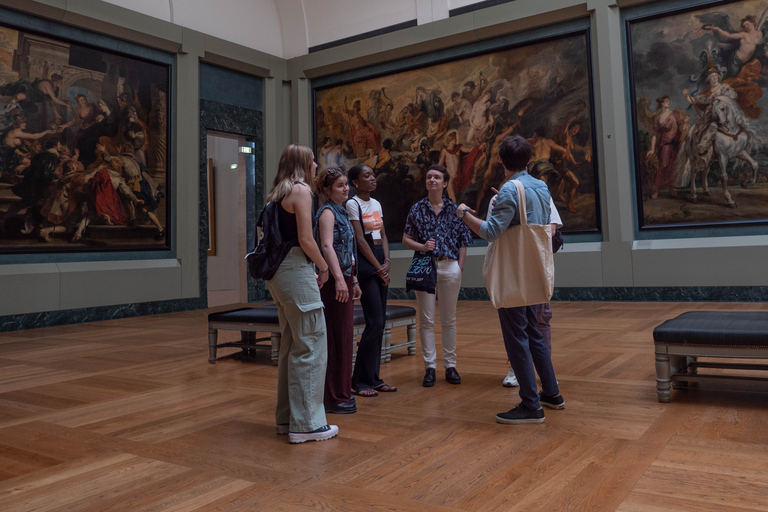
456,113
83,147
697,80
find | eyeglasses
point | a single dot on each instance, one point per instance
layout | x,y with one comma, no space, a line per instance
334,170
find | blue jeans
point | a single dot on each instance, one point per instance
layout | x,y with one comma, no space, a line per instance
527,353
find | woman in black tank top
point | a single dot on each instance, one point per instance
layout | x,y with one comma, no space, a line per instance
295,287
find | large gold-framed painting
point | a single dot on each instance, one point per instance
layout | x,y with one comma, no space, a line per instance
455,113
83,145
696,80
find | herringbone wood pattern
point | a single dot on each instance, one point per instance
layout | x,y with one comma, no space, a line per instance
127,415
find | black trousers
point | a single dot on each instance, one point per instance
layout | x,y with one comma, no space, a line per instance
374,303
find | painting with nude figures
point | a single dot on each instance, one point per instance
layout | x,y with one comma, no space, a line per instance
696,80
83,147
455,113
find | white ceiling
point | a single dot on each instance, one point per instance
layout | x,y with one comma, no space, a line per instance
287,28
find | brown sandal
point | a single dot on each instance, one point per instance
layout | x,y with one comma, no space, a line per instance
385,388
367,392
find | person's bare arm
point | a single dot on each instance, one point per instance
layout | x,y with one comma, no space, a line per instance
728,35
33,136
48,89
410,243
557,147
384,271
300,200
469,218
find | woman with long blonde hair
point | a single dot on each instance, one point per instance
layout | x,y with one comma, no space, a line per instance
295,287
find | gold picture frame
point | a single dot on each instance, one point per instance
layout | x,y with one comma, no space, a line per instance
211,209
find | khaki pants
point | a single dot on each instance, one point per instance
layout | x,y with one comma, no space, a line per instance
447,295
303,347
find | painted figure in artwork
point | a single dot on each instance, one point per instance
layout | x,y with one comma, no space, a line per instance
12,159
740,46
362,134
722,131
460,161
665,144
566,188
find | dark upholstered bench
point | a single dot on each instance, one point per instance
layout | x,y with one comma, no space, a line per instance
249,321
682,340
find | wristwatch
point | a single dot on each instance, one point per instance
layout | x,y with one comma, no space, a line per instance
460,213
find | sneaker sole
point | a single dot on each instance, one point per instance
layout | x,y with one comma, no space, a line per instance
553,406
303,438
522,421
510,385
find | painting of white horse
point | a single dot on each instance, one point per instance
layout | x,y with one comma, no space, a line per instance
699,128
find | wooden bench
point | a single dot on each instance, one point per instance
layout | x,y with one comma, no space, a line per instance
725,335
249,321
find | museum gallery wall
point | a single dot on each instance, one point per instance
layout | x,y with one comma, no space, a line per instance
455,112
696,79
83,147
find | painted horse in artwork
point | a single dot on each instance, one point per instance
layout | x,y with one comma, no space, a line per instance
726,136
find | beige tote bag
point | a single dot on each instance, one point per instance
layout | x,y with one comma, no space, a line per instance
519,269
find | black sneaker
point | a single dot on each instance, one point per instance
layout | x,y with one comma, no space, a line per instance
553,402
520,415
429,378
452,376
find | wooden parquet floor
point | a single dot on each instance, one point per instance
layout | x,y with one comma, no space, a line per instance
127,415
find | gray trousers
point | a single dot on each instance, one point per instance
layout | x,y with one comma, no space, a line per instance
303,346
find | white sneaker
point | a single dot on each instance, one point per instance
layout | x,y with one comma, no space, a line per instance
321,434
510,381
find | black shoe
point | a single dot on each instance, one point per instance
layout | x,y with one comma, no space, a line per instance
520,415
429,378
452,376
342,408
553,402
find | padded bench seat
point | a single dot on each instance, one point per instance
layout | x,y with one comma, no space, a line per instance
679,343
249,321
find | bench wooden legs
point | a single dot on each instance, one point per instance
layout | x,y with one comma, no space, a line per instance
412,339
275,339
386,345
410,343
663,379
248,341
213,335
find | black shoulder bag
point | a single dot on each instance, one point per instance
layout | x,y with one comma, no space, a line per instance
271,249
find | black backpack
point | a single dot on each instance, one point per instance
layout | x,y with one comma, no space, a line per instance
270,250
